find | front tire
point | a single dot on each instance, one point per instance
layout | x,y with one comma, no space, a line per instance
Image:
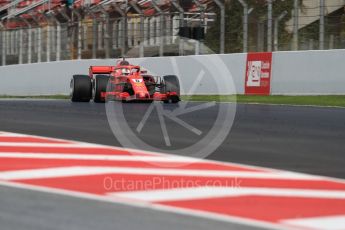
100,85
81,88
171,84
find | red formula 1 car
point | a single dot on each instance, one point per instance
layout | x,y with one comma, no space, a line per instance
124,82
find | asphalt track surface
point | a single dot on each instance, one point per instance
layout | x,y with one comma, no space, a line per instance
32,210
302,139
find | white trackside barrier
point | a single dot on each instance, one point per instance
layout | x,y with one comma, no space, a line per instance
293,73
309,72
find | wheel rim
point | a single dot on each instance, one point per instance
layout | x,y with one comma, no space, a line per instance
71,93
93,90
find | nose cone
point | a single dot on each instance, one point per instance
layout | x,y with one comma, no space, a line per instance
142,95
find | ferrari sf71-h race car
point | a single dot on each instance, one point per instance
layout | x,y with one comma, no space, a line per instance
123,82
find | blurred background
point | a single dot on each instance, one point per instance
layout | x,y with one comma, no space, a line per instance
51,30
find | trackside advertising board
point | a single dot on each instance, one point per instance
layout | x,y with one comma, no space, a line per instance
258,74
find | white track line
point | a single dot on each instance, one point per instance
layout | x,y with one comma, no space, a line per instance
87,170
53,145
6,134
216,192
134,151
96,157
318,223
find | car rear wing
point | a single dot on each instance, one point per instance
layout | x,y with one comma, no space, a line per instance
101,70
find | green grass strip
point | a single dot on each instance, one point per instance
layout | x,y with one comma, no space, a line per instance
322,100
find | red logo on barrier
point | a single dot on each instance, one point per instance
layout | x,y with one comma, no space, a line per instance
258,73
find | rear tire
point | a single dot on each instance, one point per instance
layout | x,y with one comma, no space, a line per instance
100,85
81,88
171,84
